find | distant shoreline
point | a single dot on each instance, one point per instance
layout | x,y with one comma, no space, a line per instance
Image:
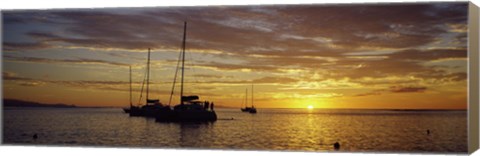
21,103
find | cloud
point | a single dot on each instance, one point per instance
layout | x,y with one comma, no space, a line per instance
300,61
32,83
13,76
64,61
429,55
263,80
211,76
236,67
368,94
458,76
20,80
394,89
89,83
236,29
402,63
280,80
10,46
403,89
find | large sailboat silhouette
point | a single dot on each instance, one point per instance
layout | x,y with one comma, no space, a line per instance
190,108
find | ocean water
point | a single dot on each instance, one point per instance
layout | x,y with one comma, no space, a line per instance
269,129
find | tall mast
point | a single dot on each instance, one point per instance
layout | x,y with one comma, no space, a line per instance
130,67
246,95
183,60
252,95
148,71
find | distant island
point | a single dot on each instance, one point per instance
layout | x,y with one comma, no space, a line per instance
20,103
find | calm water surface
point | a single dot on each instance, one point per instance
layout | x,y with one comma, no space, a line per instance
269,129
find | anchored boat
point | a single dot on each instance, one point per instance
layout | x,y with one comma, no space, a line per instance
246,108
190,107
152,107
251,109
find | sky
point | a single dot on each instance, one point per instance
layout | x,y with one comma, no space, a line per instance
372,56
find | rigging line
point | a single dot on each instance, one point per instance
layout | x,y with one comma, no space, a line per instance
246,96
175,78
192,65
141,91
252,94
148,73
154,90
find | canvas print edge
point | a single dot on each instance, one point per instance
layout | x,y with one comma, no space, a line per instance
473,108
473,78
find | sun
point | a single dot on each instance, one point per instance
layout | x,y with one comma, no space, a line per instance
310,107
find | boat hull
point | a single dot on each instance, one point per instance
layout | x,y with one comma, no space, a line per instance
126,110
135,111
195,116
246,109
149,111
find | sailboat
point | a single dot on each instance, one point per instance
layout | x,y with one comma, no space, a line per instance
246,108
152,107
133,110
190,108
251,109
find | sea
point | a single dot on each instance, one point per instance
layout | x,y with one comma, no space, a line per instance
269,130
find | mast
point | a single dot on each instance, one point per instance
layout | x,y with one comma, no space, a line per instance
183,60
252,95
130,67
246,95
148,72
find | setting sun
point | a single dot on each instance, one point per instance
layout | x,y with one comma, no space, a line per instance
310,107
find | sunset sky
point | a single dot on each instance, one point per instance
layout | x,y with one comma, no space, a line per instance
408,56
